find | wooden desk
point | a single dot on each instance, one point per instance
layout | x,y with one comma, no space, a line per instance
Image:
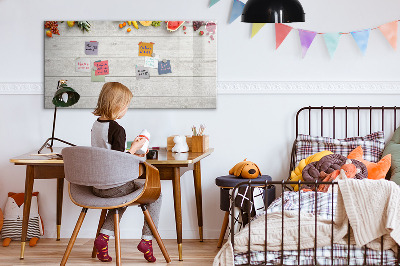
171,167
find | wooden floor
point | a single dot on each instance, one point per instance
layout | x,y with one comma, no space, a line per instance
50,252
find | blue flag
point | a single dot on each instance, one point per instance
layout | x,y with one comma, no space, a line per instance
361,38
237,8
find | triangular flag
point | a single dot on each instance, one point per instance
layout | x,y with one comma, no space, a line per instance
332,41
237,8
390,32
361,37
255,28
213,2
306,39
281,31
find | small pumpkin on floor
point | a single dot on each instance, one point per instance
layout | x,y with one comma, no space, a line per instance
245,169
13,215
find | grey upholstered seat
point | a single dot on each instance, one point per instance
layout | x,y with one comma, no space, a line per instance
83,196
85,167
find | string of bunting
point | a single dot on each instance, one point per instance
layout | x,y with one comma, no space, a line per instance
361,37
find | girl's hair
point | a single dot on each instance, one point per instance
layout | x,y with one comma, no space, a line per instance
113,97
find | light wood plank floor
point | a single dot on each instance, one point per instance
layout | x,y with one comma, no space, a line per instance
50,252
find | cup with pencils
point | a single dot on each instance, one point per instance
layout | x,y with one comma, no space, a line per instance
199,140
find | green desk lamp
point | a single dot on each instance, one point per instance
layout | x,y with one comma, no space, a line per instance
64,97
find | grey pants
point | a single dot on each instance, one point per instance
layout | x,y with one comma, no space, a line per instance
154,208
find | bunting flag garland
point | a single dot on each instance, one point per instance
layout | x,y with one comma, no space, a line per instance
389,30
237,8
332,41
361,37
306,39
255,28
281,31
213,2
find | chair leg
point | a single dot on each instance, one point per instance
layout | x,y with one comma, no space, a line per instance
117,239
73,237
101,222
223,229
154,230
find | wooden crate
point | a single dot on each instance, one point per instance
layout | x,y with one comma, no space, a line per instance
171,143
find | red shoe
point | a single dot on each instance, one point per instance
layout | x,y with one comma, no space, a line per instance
101,245
146,247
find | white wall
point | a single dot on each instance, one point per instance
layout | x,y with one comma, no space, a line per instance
259,127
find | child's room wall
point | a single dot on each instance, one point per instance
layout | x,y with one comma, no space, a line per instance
259,127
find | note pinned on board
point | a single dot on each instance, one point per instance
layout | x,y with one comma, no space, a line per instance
142,72
101,68
97,78
91,48
151,62
82,65
145,48
164,67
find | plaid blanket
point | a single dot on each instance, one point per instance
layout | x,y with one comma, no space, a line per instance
340,254
323,205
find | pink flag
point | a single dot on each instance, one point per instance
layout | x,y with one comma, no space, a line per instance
306,39
281,31
389,30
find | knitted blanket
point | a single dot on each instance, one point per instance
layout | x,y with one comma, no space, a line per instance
274,235
371,207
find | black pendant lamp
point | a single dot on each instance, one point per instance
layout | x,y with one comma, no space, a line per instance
272,11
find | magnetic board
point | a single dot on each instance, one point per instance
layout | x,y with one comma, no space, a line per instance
185,79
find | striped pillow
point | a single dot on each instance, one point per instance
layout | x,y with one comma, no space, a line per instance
13,228
372,145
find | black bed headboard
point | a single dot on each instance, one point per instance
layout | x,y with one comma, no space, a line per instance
346,110
343,122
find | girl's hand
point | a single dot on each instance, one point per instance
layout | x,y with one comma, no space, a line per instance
142,155
137,144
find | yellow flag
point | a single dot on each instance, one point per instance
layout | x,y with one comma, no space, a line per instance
256,27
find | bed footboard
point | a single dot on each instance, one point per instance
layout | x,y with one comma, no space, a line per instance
333,260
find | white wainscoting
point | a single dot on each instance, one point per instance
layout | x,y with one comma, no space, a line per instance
260,87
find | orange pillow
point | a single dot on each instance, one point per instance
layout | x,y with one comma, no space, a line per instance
375,170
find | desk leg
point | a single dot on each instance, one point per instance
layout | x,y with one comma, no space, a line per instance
197,189
27,206
176,182
60,190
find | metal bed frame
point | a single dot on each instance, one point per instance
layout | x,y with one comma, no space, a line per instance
284,183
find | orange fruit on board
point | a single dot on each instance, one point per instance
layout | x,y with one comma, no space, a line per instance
124,24
48,33
120,26
128,29
145,23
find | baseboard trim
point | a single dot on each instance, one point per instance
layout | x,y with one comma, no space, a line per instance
257,87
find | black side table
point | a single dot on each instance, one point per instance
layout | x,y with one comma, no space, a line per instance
228,182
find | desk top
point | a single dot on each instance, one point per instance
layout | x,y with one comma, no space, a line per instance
164,157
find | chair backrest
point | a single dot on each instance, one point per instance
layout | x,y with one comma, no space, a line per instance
92,166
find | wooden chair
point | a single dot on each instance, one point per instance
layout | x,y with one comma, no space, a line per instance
85,167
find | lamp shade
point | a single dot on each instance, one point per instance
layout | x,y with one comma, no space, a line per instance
273,11
65,96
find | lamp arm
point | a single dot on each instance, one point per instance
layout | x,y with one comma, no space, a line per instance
54,126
